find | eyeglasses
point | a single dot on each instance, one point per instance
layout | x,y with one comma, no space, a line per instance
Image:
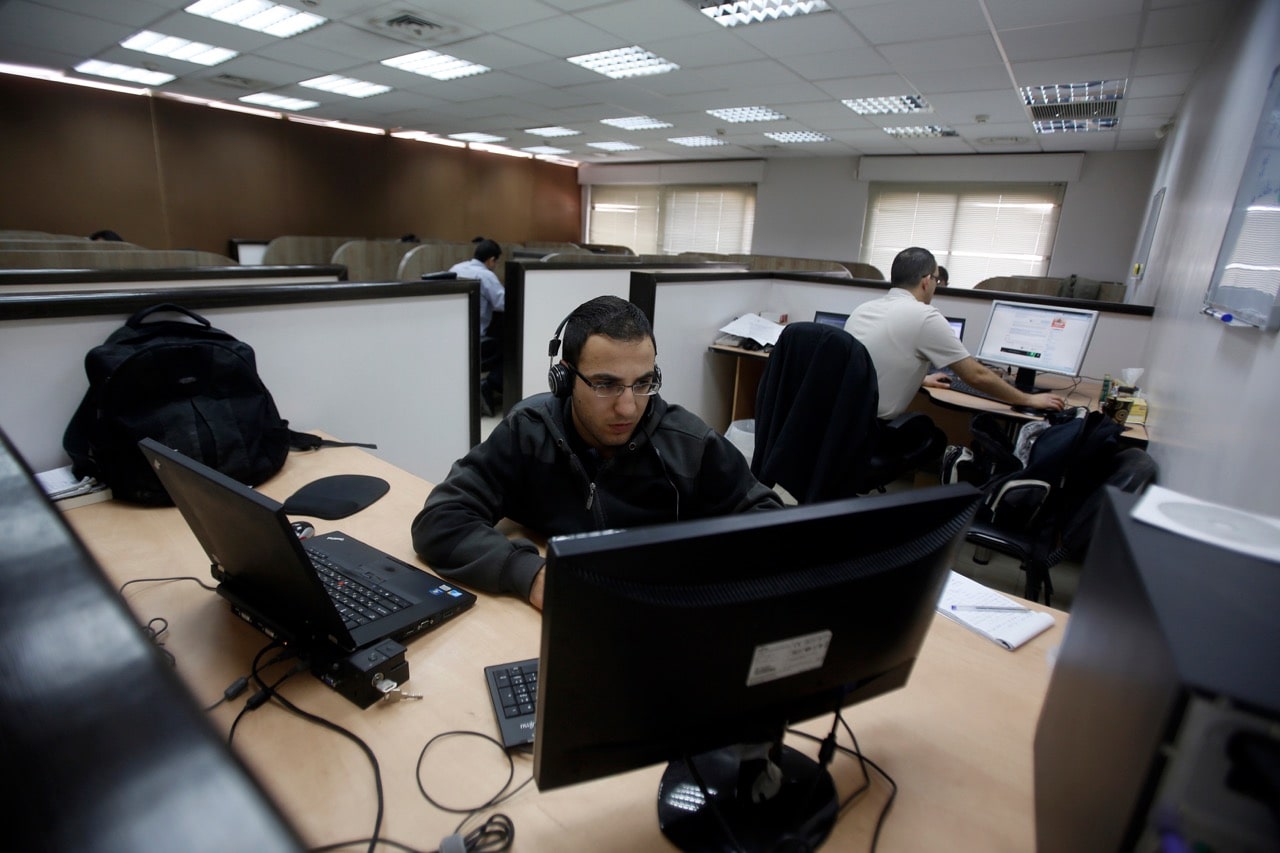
643,388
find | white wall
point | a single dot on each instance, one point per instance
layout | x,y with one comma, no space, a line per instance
1102,213
1214,404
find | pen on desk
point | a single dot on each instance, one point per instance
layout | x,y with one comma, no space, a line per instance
989,608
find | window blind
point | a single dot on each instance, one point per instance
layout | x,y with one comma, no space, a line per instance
673,219
974,230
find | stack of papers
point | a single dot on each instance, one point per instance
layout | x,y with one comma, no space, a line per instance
1002,620
753,326
62,486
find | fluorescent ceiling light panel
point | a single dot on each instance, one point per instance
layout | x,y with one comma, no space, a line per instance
798,136
1086,125
158,44
423,136
98,68
438,66
552,131
348,86
888,105
930,131
614,146
737,115
697,141
636,123
280,102
1074,93
743,12
545,149
632,61
258,15
477,137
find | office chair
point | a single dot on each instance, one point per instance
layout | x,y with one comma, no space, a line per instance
817,434
1016,525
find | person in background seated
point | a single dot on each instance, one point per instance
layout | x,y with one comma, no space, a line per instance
904,334
944,277
493,298
106,234
603,451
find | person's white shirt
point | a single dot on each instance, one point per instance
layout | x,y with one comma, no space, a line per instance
903,336
493,296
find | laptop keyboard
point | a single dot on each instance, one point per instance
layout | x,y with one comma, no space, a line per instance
514,690
359,603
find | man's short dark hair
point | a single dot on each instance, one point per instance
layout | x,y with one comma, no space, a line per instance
910,266
486,249
611,316
943,276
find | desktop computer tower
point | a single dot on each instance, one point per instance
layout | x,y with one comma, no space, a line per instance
1161,726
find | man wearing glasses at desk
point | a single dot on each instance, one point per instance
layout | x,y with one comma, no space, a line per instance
602,450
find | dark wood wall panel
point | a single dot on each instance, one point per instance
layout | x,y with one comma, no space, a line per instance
166,174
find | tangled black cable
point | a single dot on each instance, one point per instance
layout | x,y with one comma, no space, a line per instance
498,832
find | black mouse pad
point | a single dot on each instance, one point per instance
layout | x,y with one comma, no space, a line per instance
337,496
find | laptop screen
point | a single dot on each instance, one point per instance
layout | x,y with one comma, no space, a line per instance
957,326
831,318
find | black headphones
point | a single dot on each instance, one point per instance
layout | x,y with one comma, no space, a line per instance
560,377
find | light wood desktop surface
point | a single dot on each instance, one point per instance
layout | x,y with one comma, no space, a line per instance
957,739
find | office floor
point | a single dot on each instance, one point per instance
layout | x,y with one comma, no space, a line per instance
1002,573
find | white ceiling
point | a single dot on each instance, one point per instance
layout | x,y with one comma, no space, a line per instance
966,57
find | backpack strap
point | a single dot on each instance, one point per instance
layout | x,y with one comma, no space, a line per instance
307,441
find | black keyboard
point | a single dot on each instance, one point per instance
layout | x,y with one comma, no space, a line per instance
514,690
958,384
359,603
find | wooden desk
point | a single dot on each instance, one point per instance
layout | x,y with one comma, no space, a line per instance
748,367
957,739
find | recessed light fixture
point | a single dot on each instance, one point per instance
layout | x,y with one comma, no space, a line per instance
632,61
115,71
929,131
614,146
697,141
258,15
280,102
737,115
158,44
477,137
1073,93
636,123
1074,125
545,149
552,131
423,136
743,12
798,136
438,66
888,105
348,86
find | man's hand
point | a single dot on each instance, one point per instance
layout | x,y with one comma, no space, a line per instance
535,591
937,380
1047,401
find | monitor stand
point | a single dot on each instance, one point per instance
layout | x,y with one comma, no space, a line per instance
796,805
1025,381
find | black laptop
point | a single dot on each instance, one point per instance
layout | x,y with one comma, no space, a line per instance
331,589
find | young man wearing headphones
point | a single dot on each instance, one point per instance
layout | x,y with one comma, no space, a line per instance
600,451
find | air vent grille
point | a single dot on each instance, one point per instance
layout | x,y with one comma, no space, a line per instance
1077,110
235,82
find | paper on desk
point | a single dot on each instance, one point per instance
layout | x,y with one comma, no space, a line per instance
1235,529
755,327
1007,628
62,483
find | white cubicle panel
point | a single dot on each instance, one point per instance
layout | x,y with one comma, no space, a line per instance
688,313
384,370
8,288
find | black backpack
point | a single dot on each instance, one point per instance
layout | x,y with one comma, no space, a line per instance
187,385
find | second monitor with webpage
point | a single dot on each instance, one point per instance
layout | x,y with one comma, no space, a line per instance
1036,338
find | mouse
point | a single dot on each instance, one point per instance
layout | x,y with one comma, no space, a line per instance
304,529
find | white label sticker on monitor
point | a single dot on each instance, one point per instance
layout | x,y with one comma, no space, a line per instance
788,657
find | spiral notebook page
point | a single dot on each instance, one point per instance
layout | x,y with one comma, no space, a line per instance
1002,620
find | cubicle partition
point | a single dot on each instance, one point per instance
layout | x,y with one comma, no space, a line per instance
540,295
390,364
689,308
49,281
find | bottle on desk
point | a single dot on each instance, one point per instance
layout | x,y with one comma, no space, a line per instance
1106,389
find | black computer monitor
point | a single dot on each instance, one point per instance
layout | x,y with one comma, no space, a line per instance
1037,338
693,639
957,327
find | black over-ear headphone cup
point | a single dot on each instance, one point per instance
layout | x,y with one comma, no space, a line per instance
560,379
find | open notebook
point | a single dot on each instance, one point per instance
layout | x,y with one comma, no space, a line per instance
1003,620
